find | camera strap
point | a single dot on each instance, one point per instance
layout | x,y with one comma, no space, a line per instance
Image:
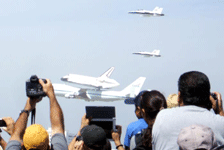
33,114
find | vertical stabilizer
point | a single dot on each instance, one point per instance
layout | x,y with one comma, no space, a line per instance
134,88
107,73
156,52
156,9
160,10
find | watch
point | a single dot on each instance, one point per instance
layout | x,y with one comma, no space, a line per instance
26,111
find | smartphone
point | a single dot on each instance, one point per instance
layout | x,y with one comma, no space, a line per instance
2,123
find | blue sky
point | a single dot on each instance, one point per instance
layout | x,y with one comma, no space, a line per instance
54,38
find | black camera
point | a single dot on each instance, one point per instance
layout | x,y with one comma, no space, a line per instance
2,123
34,88
214,96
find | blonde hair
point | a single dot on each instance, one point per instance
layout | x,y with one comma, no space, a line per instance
172,101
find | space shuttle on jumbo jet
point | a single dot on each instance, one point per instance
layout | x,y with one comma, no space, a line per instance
102,82
155,53
98,95
156,12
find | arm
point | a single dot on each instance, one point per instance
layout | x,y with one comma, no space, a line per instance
56,114
116,137
84,122
21,123
127,138
218,102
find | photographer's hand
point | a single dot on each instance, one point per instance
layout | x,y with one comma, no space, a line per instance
116,137
84,122
75,145
31,103
219,109
47,88
10,125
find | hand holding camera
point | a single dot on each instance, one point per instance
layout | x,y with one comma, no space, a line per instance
47,87
85,121
8,124
38,88
216,101
116,135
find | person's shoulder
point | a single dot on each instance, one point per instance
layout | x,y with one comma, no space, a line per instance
169,110
59,142
132,124
13,144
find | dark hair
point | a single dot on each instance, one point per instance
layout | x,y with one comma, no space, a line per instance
151,102
194,88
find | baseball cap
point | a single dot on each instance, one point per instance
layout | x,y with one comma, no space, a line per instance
135,100
196,137
36,137
94,136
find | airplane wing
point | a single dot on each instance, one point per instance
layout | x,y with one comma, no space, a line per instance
142,12
144,54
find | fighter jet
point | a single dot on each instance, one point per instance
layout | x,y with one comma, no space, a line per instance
155,53
156,12
98,95
102,82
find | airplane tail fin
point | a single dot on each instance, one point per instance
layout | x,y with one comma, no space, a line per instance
107,73
156,52
134,88
158,10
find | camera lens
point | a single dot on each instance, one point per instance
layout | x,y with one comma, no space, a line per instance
34,78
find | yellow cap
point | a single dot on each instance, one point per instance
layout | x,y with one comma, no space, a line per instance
36,137
172,101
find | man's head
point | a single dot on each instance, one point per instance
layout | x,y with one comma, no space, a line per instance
194,89
36,137
94,137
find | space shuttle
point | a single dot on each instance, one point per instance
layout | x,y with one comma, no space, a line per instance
98,83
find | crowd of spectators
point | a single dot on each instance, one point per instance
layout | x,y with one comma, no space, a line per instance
190,120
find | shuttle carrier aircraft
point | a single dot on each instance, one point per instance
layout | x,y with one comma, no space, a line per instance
98,95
